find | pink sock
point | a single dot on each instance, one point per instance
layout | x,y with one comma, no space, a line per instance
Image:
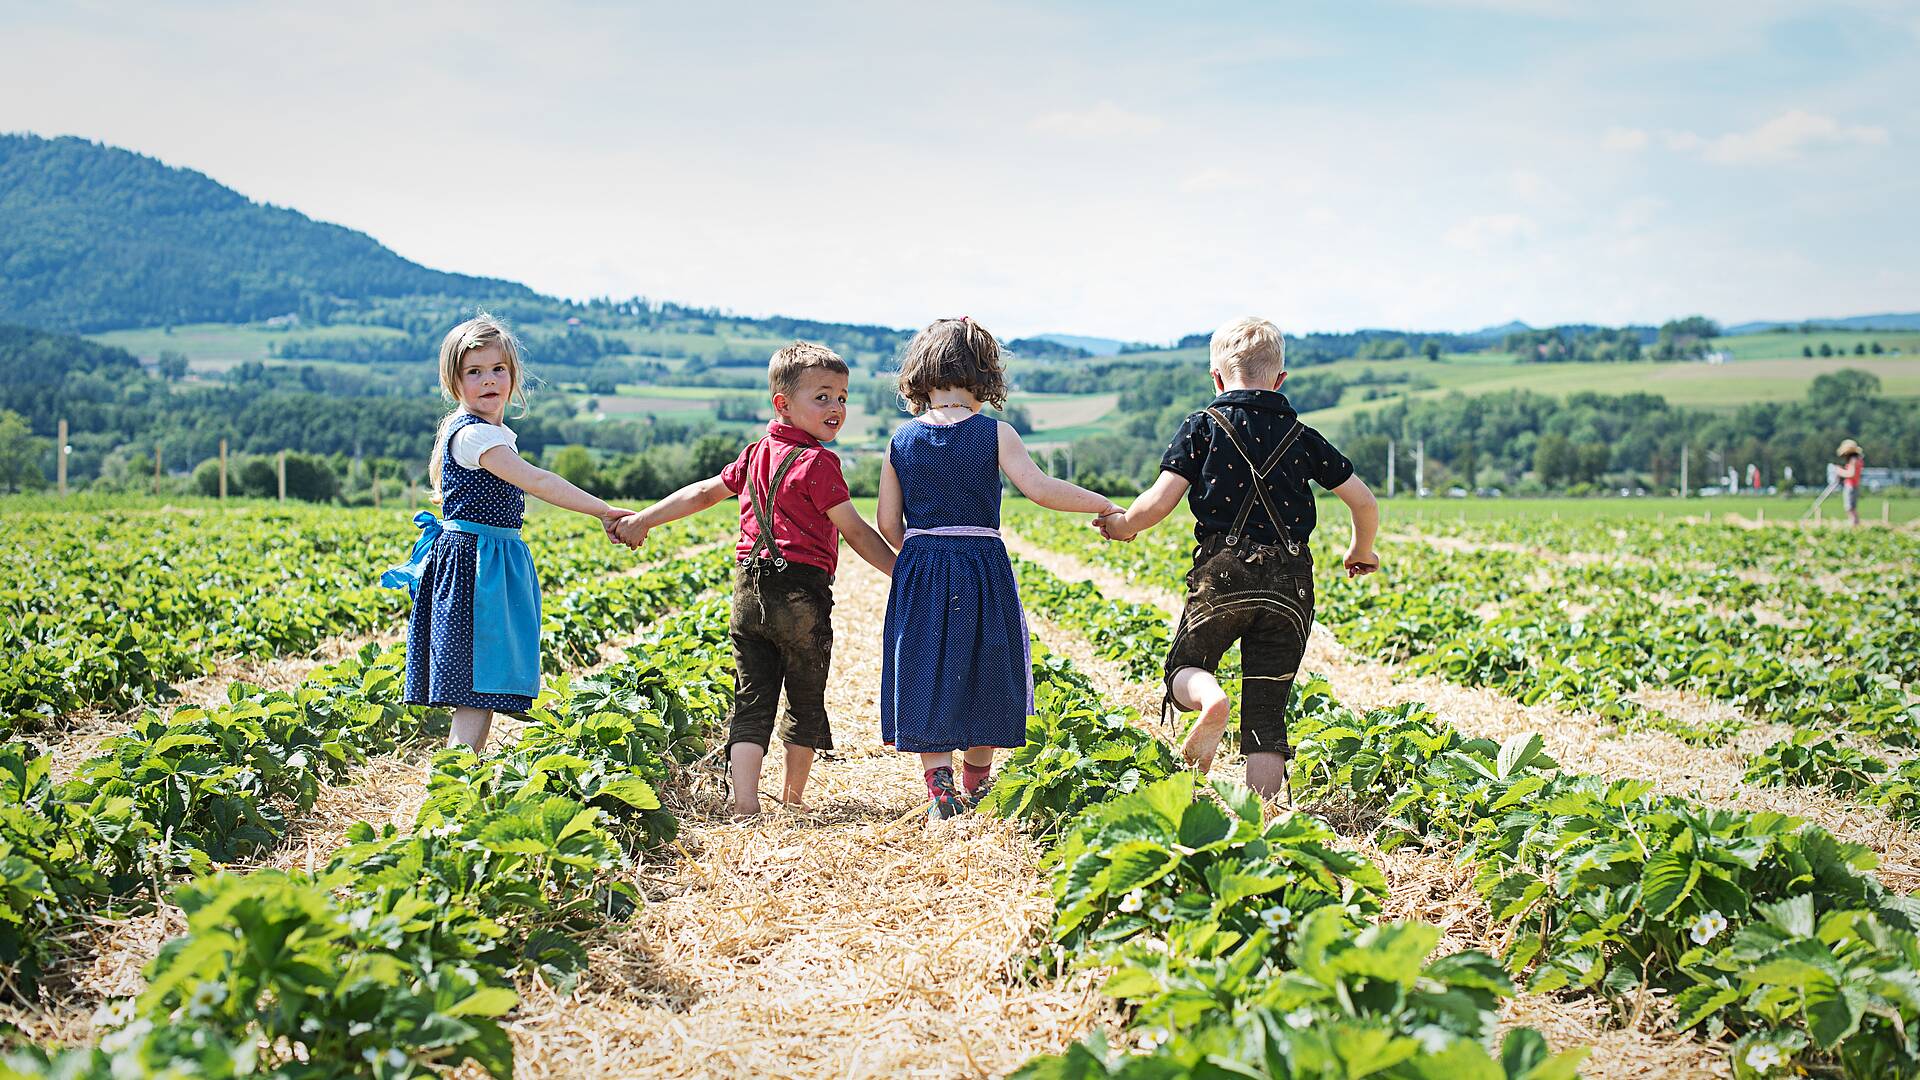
974,775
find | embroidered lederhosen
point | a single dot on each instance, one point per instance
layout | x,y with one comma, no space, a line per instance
1260,595
782,632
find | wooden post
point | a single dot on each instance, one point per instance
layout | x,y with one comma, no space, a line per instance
1390,457
156,468
1886,512
280,467
223,468
60,457
1763,515
373,474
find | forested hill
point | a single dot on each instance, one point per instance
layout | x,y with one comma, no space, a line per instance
93,237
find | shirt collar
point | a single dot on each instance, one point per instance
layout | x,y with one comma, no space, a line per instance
789,433
1272,400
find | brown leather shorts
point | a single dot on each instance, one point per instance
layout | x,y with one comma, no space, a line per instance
782,631
1260,595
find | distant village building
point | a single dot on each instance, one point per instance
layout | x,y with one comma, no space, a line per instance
284,322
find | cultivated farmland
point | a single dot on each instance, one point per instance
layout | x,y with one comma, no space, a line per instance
1625,796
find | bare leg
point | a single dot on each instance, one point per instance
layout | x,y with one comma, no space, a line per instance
743,761
470,728
1197,689
935,761
1266,773
978,756
799,765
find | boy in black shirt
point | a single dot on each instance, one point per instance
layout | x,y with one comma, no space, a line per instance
1246,460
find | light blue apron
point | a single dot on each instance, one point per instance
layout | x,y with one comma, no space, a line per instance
506,602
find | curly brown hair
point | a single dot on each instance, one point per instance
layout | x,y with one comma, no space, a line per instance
952,353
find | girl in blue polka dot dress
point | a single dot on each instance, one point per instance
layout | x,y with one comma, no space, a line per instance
957,674
473,641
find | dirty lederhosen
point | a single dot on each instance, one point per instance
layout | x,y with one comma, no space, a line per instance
782,631
1260,595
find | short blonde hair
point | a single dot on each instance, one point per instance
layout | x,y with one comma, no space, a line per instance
1251,349
795,360
480,332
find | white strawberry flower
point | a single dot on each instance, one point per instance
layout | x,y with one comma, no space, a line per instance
205,997
1153,1037
1163,910
1133,901
1276,918
1765,1057
1300,1017
1707,927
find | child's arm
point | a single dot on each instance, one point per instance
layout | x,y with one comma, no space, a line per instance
1366,522
1150,509
688,501
861,538
505,463
1048,491
892,514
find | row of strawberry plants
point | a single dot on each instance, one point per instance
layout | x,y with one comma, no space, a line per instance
108,611
1755,923
1533,650
396,960
1245,945
178,793
1816,759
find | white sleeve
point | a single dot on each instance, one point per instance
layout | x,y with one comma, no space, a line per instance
476,439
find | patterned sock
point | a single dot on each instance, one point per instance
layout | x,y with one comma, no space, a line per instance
940,781
974,775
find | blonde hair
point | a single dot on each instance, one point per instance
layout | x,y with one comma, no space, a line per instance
952,353
795,360
480,332
1250,349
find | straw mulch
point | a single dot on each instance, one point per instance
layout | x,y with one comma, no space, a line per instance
848,940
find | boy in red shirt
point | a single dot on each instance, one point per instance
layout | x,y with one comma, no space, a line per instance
794,507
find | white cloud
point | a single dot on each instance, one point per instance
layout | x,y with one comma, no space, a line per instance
1779,139
1638,213
1491,232
1216,179
1625,140
1104,121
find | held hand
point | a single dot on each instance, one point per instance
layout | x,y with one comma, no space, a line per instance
625,527
1360,563
1112,525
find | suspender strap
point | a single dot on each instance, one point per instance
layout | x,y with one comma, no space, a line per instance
762,502
1259,478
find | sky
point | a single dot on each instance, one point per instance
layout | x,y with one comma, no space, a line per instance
1127,170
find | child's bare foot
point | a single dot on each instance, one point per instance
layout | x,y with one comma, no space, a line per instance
798,806
745,809
1203,742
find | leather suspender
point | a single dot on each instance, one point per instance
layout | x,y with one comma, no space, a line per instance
762,503
1259,481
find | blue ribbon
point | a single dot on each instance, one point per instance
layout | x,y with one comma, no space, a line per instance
407,574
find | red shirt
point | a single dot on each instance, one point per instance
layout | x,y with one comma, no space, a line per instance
812,487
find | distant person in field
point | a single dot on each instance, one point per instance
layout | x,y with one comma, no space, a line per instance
1243,464
794,508
1852,461
957,672
473,641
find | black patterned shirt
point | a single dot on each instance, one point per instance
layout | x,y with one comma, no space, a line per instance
1206,457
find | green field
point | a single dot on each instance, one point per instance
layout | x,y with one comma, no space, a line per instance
219,346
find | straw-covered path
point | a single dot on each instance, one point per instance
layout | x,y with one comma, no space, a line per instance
853,940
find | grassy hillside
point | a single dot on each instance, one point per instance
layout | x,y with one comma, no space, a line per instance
93,237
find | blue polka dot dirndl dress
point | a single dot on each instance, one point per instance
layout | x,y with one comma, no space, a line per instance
958,668
474,637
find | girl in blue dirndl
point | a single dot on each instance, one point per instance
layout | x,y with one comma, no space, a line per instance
473,640
957,672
